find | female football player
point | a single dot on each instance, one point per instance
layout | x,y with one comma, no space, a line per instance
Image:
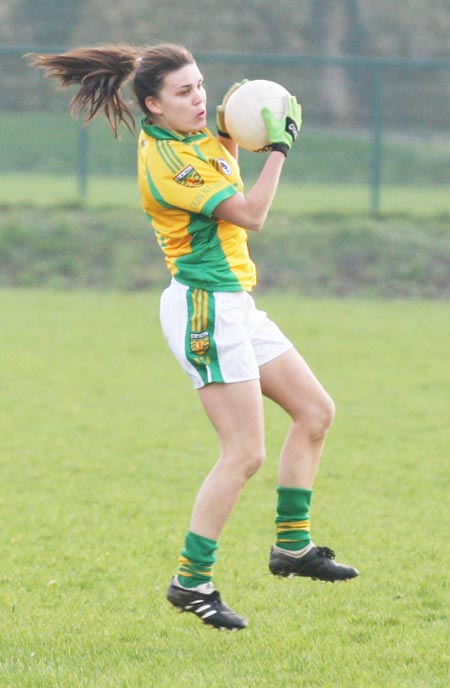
234,354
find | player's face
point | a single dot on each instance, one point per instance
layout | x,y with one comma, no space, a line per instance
181,103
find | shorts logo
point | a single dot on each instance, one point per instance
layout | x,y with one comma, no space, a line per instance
189,177
199,343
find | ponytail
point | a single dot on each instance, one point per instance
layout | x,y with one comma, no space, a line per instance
101,72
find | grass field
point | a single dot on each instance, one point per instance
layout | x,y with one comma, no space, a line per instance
292,199
103,445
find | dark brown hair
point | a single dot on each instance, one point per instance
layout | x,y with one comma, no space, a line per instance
103,71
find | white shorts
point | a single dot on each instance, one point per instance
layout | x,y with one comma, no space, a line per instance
218,336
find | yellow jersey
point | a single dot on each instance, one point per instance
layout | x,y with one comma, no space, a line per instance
181,181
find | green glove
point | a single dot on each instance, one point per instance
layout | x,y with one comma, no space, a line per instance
220,109
283,132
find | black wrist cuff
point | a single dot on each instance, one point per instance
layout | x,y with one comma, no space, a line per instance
281,147
223,134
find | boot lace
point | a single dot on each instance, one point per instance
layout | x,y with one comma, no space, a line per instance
326,552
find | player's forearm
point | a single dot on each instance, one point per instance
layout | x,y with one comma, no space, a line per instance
261,195
250,211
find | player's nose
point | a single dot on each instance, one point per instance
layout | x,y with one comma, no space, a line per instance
199,96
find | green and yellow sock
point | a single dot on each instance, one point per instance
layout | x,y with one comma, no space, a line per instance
292,520
196,560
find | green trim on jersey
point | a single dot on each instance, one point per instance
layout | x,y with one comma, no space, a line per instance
199,153
200,345
156,193
164,134
213,202
169,156
205,242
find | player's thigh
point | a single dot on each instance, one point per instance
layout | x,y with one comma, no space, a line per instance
236,412
289,381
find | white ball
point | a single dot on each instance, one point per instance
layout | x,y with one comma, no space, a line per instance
243,118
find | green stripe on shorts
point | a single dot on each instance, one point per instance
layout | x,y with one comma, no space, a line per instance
200,346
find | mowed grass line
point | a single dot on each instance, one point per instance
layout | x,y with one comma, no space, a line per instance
103,444
292,199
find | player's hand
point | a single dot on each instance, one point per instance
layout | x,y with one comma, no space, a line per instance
220,109
283,132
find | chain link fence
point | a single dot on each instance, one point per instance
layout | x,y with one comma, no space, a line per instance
376,132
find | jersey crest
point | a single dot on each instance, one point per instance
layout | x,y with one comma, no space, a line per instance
189,177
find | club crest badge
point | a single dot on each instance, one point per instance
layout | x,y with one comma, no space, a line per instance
189,177
199,343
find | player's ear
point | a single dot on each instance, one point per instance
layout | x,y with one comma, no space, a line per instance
153,106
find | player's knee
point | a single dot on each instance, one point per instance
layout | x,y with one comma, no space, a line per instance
319,418
246,461
329,412
253,463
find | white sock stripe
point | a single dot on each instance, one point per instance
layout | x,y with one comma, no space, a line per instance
206,588
295,553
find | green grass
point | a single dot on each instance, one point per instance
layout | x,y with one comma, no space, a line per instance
356,198
103,445
292,199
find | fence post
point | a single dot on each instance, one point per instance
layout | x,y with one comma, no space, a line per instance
82,162
377,139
